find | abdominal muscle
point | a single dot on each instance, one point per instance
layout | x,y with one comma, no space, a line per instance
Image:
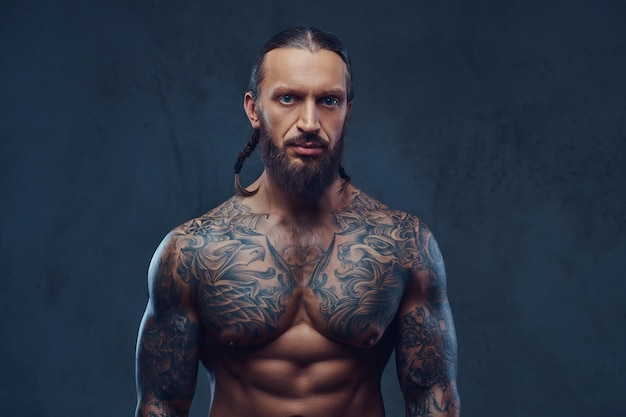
301,373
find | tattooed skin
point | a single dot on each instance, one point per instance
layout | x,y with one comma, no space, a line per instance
245,285
371,276
226,260
237,279
167,354
426,351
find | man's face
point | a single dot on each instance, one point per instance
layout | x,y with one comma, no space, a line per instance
301,112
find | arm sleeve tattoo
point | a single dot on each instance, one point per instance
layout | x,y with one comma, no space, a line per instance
169,342
426,351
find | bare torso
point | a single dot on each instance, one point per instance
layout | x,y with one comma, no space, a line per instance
296,319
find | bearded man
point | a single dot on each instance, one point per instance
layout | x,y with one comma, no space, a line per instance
294,292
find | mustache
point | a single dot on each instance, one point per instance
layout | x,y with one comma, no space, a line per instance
308,139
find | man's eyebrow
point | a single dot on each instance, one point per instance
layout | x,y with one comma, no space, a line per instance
333,91
338,91
282,89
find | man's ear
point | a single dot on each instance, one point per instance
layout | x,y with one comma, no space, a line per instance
250,109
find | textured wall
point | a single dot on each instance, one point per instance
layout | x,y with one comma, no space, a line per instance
502,124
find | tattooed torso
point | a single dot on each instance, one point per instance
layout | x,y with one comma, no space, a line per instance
298,319
253,280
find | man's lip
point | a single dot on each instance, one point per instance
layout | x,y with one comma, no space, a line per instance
307,149
307,145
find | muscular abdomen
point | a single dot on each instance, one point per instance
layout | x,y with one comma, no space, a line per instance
300,373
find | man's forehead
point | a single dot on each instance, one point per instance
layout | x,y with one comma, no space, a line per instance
295,64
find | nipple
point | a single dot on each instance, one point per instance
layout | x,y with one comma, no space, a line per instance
371,340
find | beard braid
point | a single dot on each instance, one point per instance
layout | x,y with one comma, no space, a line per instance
305,182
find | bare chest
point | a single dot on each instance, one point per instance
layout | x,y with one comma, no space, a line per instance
348,288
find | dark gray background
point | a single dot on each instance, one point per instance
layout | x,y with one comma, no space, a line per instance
500,123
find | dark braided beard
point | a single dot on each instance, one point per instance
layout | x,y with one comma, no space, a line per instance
304,181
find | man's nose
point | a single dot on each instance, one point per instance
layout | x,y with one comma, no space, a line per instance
308,121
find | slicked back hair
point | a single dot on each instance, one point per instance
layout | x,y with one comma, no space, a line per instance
301,37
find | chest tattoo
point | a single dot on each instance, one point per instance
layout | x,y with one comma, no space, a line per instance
245,286
370,273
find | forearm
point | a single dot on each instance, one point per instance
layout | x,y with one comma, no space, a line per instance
441,400
152,407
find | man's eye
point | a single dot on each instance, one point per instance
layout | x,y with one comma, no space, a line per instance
331,101
286,99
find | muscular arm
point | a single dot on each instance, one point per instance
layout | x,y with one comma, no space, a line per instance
426,351
169,341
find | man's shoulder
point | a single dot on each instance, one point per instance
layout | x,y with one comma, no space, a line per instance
217,221
368,210
378,219
213,226
374,227
207,232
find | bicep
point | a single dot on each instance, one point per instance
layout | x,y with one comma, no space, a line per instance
168,346
167,355
426,350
